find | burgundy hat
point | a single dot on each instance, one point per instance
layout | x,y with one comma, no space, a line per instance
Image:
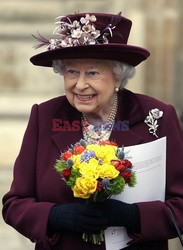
90,36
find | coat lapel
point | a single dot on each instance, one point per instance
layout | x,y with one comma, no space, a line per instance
131,112
63,139
127,138
129,109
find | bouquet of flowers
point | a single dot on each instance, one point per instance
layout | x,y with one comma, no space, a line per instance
95,172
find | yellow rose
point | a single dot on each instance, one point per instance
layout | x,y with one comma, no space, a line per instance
108,171
104,152
93,147
93,162
109,153
84,187
89,170
109,157
99,150
76,159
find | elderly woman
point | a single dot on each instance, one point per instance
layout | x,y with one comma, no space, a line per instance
92,54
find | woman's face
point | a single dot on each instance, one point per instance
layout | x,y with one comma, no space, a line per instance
89,85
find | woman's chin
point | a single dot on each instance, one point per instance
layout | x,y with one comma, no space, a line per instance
83,109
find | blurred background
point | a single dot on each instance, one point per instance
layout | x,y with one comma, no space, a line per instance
157,26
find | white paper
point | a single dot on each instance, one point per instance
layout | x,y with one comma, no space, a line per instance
149,161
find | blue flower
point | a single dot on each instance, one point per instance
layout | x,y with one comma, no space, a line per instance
87,155
106,184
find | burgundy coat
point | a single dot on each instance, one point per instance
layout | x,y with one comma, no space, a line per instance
37,186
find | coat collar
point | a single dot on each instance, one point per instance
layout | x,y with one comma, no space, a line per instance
66,112
129,110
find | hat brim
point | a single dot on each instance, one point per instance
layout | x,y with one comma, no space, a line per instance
132,55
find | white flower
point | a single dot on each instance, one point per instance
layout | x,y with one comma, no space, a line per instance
86,39
75,42
90,41
95,34
151,120
82,32
87,19
67,42
76,33
82,20
53,44
75,24
93,18
156,113
87,28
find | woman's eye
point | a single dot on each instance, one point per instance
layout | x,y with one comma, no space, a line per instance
72,73
93,73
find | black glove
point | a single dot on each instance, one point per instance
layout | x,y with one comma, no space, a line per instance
76,217
121,214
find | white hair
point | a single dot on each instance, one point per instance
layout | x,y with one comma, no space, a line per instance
122,71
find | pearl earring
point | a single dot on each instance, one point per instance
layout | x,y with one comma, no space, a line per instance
116,90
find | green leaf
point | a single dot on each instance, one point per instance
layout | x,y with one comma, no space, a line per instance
60,166
133,181
117,185
72,179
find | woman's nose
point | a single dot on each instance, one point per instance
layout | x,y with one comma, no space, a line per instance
81,82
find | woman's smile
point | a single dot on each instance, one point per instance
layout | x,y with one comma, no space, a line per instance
84,98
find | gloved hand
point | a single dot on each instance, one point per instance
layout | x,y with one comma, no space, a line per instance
120,214
76,217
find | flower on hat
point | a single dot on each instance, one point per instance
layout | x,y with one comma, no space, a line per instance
88,18
75,33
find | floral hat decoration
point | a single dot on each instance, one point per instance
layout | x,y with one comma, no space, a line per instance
90,36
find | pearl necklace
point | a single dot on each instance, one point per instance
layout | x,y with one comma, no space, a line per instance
99,132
